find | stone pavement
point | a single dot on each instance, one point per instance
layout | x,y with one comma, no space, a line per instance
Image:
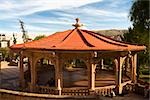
130,96
9,76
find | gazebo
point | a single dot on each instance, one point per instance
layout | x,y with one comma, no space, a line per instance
88,46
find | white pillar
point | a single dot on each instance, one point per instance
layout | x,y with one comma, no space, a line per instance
59,86
92,76
102,63
58,76
120,76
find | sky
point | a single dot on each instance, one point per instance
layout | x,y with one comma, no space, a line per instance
50,16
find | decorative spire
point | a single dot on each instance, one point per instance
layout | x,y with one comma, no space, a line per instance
77,25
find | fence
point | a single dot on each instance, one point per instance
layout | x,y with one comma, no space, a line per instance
45,90
75,91
103,91
17,95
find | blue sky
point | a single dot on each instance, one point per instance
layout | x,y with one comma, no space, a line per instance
49,16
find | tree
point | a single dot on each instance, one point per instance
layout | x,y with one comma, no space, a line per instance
39,37
25,37
139,32
5,52
14,39
139,15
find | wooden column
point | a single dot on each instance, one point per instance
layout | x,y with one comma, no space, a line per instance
22,81
58,75
118,62
88,71
61,72
102,63
33,74
126,65
116,73
134,66
120,75
91,74
131,69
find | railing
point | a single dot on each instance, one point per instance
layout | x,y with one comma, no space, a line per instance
129,87
17,95
103,91
108,90
75,91
139,89
46,90
127,82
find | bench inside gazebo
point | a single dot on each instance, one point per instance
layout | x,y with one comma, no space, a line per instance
75,60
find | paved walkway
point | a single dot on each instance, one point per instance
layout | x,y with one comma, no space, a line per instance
125,97
9,76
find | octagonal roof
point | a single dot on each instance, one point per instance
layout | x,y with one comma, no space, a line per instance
79,40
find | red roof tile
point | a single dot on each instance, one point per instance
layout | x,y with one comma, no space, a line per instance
78,39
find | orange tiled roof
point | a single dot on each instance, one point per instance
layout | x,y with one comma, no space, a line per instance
78,39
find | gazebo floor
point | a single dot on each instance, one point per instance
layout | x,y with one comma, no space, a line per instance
103,78
79,79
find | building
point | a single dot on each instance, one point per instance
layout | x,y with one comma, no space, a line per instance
90,47
4,42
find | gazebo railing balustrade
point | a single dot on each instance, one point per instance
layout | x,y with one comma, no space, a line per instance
64,91
82,91
46,90
140,89
103,91
75,91
129,87
107,90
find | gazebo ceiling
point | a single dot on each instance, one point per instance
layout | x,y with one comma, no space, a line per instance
79,40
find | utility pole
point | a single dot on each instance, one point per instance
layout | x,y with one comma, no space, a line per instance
24,36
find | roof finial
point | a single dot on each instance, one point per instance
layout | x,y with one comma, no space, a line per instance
77,25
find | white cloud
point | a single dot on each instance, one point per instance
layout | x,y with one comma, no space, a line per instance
13,8
45,20
98,12
6,5
5,31
60,15
36,28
